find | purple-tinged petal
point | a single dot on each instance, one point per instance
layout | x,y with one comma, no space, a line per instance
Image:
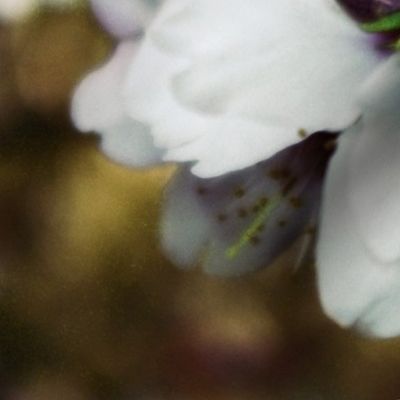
242,221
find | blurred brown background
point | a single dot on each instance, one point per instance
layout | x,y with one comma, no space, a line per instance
89,306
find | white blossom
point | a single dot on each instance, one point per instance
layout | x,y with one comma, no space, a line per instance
359,244
235,90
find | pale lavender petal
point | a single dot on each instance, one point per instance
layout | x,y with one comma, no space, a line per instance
242,221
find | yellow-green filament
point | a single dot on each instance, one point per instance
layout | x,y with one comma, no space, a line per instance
254,228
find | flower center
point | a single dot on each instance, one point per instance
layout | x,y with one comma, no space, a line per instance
380,18
370,10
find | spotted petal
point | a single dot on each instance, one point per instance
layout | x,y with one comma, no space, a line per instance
242,221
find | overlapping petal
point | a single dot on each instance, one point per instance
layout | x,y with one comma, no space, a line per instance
98,106
255,104
237,76
186,134
271,61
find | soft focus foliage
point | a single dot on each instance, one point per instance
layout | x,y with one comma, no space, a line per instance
89,307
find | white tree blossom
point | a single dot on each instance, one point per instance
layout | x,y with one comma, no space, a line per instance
248,96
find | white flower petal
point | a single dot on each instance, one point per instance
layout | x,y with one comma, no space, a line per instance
129,142
355,288
248,78
227,144
97,101
275,61
241,221
98,106
124,18
194,136
375,164
149,100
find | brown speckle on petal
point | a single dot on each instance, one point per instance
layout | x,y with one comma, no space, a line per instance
302,133
282,223
296,202
239,192
263,201
242,213
222,217
255,240
201,190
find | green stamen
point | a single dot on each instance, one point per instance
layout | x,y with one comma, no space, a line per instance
254,228
388,23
